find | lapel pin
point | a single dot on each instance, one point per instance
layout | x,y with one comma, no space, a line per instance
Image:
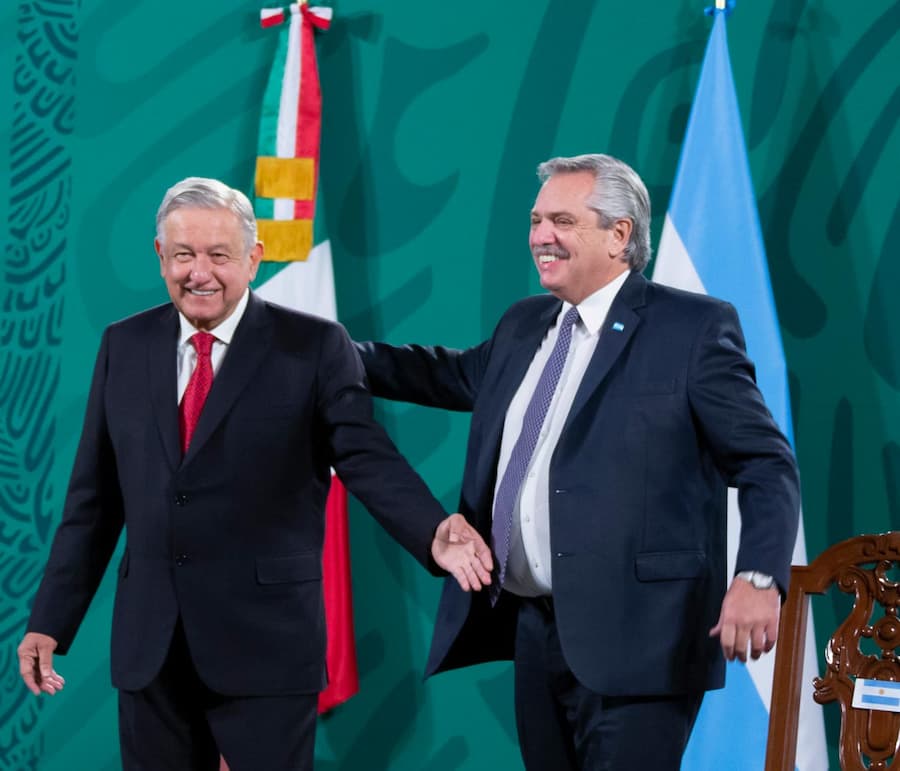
618,326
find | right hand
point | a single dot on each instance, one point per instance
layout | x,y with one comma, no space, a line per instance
36,664
460,550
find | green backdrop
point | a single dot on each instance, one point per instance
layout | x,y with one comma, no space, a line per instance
435,117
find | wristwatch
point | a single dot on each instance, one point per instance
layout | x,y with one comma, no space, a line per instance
756,579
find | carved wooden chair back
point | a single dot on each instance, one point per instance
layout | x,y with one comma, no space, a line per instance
860,567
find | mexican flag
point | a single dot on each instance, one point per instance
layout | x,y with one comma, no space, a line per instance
297,272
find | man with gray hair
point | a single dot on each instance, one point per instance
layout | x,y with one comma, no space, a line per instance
608,419
211,426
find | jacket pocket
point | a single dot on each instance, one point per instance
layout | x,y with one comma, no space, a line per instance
290,569
669,565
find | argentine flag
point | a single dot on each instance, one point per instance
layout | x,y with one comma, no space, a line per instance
712,243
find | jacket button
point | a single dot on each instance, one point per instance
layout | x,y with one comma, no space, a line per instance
181,559
180,499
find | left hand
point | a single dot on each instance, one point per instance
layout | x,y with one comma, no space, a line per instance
748,615
460,550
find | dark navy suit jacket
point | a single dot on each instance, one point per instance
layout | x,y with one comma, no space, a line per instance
229,537
667,416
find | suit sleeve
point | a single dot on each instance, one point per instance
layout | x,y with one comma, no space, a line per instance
91,523
749,449
364,456
431,376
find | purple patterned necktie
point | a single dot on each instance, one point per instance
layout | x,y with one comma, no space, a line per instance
533,421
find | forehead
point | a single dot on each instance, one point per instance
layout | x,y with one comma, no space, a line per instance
565,191
194,222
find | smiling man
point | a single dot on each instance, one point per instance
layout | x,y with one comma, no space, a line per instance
608,418
211,427
206,262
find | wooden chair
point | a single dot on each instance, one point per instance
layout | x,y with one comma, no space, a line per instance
859,566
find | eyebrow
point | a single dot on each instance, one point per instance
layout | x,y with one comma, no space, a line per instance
213,247
552,213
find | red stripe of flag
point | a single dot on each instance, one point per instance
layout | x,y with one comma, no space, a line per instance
343,676
267,18
309,108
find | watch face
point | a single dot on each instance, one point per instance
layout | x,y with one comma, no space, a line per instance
762,581
757,580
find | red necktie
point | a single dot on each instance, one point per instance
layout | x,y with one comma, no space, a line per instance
197,388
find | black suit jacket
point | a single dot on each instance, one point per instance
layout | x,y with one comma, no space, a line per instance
667,416
229,537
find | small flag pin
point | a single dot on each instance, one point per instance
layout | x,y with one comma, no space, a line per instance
618,326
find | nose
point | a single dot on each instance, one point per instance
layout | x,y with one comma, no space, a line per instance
542,232
200,268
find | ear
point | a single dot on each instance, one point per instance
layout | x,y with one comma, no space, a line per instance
162,260
621,233
256,255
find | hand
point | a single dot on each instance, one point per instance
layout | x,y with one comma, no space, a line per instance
749,615
460,550
36,664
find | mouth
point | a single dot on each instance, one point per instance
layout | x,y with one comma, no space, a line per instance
201,292
548,258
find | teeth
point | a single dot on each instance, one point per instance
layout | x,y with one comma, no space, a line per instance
546,258
202,292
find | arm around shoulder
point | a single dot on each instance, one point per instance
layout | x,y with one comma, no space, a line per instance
432,376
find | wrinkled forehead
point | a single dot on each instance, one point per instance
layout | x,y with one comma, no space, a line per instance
564,192
203,224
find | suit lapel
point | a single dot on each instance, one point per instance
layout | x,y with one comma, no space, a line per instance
247,350
163,379
621,323
521,350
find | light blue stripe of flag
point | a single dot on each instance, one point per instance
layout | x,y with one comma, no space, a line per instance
713,208
889,684
888,701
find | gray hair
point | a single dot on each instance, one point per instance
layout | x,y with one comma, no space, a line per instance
619,193
205,193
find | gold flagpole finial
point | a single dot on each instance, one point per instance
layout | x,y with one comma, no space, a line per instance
720,5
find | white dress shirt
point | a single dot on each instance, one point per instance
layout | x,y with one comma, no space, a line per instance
528,571
187,354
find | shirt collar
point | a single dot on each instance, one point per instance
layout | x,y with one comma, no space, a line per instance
594,308
225,331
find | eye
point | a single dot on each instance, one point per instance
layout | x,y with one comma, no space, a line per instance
219,258
183,256
563,222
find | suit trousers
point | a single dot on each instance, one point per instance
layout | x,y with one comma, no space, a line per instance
178,724
564,726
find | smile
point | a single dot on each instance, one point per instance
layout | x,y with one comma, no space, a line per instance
202,292
546,259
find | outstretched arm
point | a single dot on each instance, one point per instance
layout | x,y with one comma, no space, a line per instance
431,376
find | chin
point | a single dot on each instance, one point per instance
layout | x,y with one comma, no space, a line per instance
550,286
199,317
